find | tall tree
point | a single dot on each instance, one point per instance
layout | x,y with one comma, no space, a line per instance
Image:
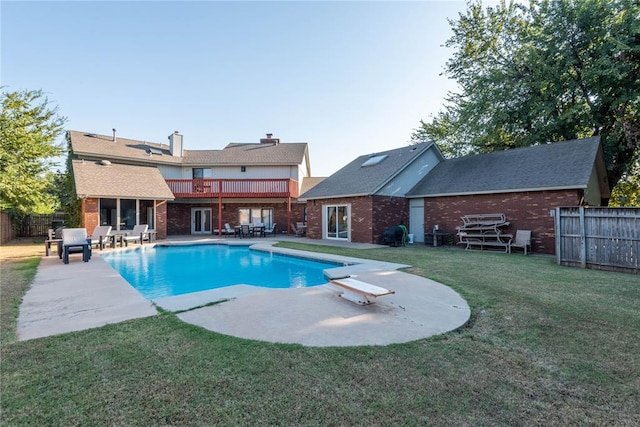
548,71
29,127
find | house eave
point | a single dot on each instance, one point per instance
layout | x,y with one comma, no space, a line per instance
120,196
338,196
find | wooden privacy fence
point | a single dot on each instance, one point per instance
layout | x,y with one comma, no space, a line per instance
29,226
7,231
598,237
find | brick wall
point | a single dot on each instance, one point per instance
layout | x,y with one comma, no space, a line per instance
370,216
361,212
524,211
178,219
314,219
179,215
161,219
90,214
388,212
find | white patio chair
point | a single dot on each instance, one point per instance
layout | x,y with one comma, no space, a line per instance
139,233
101,235
523,240
74,240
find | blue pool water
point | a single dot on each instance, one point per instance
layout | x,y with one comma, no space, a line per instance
163,271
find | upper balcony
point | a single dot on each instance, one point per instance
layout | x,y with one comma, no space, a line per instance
233,188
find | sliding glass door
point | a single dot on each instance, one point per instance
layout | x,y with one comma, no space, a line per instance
336,222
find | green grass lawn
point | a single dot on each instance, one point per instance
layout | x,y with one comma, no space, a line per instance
545,345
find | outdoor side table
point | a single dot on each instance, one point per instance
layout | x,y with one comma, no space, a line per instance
438,238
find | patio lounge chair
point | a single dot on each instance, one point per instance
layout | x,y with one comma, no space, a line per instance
523,240
100,236
271,230
297,230
139,233
74,240
227,230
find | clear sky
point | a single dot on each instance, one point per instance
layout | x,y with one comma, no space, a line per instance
349,78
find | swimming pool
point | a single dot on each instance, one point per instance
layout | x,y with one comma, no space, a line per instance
162,271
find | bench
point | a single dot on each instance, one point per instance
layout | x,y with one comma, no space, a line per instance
480,220
360,292
496,240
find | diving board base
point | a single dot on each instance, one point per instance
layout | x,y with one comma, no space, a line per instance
359,292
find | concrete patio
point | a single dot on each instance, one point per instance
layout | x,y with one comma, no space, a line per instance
77,296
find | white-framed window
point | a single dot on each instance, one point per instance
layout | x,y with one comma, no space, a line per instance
255,215
200,173
337,222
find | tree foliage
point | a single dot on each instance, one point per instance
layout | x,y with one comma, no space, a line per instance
627,192
28,130
547,71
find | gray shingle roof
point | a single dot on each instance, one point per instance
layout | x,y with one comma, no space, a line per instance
290,153
309,182
560,165
357,180
93,179
102,147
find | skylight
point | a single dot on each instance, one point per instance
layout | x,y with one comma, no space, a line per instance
154,151
374,160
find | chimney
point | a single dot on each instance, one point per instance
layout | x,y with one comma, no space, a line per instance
175,144
114,134
269,139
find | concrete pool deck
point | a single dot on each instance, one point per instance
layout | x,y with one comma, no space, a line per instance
65,298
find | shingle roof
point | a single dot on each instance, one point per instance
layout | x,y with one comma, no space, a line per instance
290,153
309,182
356,180
560,165
94,179
103,147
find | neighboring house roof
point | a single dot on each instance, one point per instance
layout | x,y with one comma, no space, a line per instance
291,153
96,146
309,182
360,178
94,179
559,165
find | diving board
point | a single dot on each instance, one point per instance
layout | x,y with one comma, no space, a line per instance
361,293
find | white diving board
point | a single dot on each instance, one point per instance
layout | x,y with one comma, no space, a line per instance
361,293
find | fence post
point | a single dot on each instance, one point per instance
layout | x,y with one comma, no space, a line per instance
556,219
583,239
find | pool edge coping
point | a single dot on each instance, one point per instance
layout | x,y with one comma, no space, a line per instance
351,267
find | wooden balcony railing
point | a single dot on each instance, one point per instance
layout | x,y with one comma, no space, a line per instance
237,188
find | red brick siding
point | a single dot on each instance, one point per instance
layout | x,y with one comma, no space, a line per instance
361,212
161,220
179,215
370,216
90,217
388,212
179,218
524,210
314,219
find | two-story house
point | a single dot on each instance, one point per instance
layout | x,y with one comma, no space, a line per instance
124,182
